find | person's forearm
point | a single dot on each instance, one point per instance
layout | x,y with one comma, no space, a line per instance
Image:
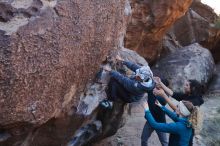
172,115
132,66
166,89
168,100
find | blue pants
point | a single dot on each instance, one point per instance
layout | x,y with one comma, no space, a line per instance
146,133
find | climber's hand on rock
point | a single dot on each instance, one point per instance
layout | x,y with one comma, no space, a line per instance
118,58
107,68
157,80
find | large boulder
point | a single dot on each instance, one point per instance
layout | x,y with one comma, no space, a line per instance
150,21
190,62
197,25
204,10
49,51
169,43
213,43
214,86
191,28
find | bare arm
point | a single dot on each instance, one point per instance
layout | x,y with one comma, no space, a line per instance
164,87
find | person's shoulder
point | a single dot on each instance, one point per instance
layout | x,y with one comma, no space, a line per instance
182,124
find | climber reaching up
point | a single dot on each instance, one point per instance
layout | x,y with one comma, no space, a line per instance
128,89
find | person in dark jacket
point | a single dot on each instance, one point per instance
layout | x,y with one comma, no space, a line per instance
192,92
181,129
159,116
128,89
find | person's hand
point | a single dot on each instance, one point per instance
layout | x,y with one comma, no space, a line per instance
159,92
146,107
158,103
157,80
118,58
107,68
158,86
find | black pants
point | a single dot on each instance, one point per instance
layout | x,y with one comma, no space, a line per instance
116,91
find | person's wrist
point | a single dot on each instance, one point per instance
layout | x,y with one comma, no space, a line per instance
165,95
146,109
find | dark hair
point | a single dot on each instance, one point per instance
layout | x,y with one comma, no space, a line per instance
188,105
196,88
165,82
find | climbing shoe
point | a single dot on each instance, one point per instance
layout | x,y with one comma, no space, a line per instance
4,136
106,104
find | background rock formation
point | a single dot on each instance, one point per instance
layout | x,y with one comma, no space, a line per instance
213,43
190,62
191,28
214,86
197,25
150,21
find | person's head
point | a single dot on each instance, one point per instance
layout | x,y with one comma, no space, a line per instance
184,108
193,87
187,109
145,76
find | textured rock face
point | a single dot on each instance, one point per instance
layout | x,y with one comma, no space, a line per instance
213,43
194,25
49,51
215,83
150,21
49,59
191,28
190,62
169,43
204,10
